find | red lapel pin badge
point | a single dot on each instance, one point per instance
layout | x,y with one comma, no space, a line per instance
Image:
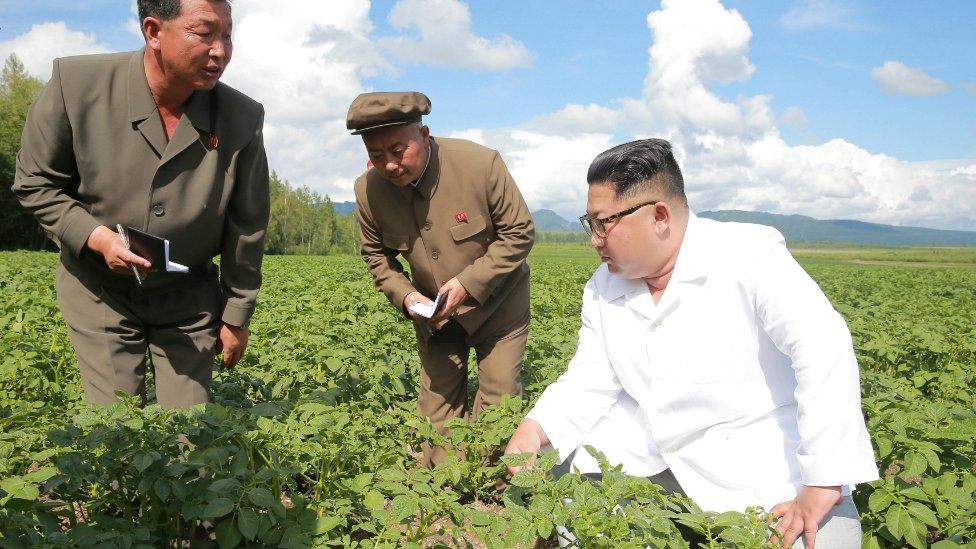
461,217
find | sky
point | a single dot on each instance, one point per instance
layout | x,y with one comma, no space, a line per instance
828,108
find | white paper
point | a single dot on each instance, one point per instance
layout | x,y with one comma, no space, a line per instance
172,266
427,310
176,267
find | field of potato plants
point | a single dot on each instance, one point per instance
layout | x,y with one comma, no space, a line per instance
311,441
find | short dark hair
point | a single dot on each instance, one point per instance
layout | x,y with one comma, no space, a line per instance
164,10
645,164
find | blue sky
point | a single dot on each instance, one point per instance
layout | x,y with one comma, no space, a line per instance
584,54
827,108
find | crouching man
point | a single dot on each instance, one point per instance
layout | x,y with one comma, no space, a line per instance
708,360
452,210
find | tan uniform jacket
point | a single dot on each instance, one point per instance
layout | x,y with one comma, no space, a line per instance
94,153
486,252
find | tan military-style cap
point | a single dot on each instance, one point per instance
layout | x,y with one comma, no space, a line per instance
378,109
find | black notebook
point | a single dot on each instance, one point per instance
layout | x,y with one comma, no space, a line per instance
153,248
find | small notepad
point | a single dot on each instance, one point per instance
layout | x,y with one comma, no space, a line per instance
153,248
427,310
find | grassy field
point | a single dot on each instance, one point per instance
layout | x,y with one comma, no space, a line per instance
310,441
941,256
806,252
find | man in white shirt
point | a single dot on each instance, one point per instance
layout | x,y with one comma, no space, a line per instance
707,353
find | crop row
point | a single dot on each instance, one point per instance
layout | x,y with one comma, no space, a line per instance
311,440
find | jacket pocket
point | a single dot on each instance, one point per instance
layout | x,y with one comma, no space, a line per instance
472,227
396,242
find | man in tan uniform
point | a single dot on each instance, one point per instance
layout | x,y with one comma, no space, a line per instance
151,140
452,210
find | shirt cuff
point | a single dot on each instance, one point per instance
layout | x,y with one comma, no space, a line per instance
237,315
78,228
563,438
398,294
476,289
837,470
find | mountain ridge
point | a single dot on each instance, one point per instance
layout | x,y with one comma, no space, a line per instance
795,227
803,228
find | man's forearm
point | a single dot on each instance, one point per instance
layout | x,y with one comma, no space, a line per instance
537,431
245,227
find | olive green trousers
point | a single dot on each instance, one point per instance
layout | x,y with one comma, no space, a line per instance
444,373
118,335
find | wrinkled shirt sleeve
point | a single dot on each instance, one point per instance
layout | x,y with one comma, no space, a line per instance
46,180
835,448
245,226
573,404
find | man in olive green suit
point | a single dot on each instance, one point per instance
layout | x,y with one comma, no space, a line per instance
452,210
151,140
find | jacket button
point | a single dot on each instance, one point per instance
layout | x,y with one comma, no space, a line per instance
434,255
159,210
427,226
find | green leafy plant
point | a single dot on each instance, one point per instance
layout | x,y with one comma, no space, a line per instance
312,440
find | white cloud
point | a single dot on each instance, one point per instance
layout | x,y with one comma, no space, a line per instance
575,118
131,25
795,117
966,171
38,47
306,64
550,169
475,135
818,13
897,78
969,87
731,151
303,62
697,43
446,38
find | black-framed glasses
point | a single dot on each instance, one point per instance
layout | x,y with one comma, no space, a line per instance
598,226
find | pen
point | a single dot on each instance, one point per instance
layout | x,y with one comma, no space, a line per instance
125,242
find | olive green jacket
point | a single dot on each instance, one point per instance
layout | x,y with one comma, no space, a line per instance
94,152
465,219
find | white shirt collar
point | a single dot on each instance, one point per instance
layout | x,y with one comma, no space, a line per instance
691,265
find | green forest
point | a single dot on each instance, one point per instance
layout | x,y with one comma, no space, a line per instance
303,222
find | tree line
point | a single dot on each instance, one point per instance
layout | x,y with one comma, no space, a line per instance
302,221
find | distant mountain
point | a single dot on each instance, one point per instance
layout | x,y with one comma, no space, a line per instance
344,208
795,228
803,228
545,220
548,220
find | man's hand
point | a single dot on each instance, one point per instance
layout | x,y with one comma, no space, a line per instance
802,515
108,244
232,341
417,297
412,299
528,438
454,295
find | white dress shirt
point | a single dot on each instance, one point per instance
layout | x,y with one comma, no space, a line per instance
742,379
